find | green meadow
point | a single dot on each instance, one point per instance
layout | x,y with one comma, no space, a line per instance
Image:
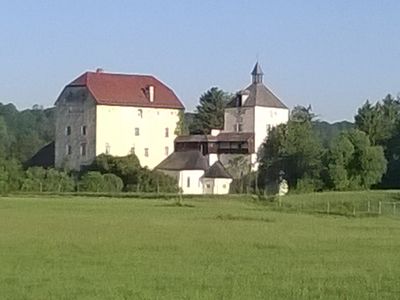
59,247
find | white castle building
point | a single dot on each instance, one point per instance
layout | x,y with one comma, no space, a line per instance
115,114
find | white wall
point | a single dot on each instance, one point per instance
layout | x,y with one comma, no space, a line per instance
196,186
216,186
267,116
208,185
221,186
115,131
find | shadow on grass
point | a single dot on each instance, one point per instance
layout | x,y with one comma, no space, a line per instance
176,204
229,217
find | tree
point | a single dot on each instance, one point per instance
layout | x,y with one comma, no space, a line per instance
379,121
34,180
181,126
58,181
126,167
354,163
5,141
92,182
294,149
210,111
112,183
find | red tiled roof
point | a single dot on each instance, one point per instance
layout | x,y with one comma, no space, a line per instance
127,90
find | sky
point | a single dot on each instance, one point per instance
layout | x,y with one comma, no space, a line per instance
332,55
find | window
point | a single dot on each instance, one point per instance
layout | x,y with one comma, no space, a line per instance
166,132
108,148
140,113
137,132
68,130
166,151
224,186
83,130
132,150
188,182
146,152
268,128
208,185
68,149
239,127
83,149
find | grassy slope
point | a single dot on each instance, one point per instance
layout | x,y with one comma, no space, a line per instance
88,248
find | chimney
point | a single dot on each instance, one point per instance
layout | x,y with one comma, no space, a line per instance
99,70
151,93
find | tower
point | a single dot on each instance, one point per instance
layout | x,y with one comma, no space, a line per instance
257,74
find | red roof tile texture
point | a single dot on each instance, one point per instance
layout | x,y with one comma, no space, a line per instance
127,90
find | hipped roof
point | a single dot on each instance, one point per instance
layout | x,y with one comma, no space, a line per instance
127,90
187,160
217,170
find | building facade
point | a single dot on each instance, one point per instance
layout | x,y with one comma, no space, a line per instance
248,118
116,114
255,110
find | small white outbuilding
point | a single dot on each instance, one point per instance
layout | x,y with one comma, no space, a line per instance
194,175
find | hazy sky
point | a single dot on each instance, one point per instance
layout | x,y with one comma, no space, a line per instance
331,54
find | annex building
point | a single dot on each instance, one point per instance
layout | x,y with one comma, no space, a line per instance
248,118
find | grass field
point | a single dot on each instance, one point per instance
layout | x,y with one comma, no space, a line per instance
230,248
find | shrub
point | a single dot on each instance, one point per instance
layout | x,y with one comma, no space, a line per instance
112,183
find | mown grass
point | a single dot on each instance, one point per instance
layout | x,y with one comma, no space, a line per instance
57,247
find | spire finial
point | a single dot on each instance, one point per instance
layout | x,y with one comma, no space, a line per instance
257,73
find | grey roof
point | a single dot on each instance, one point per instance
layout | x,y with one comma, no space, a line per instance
185,160
257,70
217,170
260,95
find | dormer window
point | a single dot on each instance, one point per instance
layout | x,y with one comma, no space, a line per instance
150,93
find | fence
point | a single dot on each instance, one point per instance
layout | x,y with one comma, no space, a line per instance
346,208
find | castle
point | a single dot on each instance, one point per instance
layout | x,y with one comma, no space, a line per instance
119,114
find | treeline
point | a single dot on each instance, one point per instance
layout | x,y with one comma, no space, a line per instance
23,133
106,174
362,157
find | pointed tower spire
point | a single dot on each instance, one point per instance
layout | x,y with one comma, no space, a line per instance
257,74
